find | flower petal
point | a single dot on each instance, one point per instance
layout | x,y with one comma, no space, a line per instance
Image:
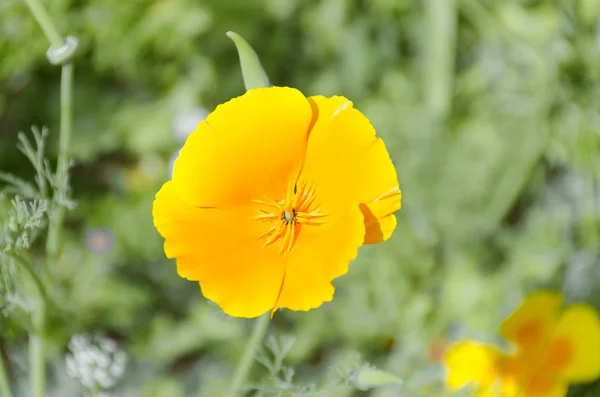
248,148
468,362
320,254
491,392
351,162
576,344
220,249
544,384
531,326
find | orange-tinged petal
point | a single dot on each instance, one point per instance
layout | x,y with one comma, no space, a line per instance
247,149
320,254
220,249
378,229
575,350
349,161
474,363
531,326
516,371
544,384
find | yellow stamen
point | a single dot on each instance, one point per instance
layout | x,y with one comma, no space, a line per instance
286,216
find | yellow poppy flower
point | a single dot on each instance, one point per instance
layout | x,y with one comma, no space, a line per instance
271,197
551,350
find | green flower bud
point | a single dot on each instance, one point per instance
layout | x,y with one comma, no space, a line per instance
252,70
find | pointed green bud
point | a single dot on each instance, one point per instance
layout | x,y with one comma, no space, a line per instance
252,70
368,378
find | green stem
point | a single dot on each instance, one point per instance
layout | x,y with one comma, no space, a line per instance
45,22
66,127
36,338
4,383
243,368
66,122
37,359
66,116
439,56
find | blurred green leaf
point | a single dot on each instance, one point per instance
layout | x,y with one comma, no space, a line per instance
368,378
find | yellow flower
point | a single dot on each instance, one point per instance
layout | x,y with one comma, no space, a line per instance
552,348
272,196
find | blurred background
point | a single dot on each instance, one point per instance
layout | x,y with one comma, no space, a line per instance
490,111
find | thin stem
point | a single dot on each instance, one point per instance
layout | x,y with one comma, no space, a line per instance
439,56
45,22
243,367
66,122
37,357
66,127
37,360
4,383
66,116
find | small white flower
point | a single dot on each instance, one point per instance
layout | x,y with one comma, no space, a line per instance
108,345
95,361
72,369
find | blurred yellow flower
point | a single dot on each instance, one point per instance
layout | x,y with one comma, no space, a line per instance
552,348
271,197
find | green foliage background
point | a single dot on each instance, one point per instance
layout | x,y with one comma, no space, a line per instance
500,174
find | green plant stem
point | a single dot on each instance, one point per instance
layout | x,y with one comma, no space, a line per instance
53,244
37,359
66,122
243,367
36,338
439,56
45,22
4,383
66,116
66,126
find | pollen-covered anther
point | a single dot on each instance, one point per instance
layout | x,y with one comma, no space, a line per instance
287,216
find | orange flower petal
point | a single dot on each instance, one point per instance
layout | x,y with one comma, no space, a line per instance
220,249
531,326
350,162
545,385
320,254
248,148
474,363
575,350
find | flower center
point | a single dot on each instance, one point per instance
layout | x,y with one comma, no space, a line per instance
289,215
